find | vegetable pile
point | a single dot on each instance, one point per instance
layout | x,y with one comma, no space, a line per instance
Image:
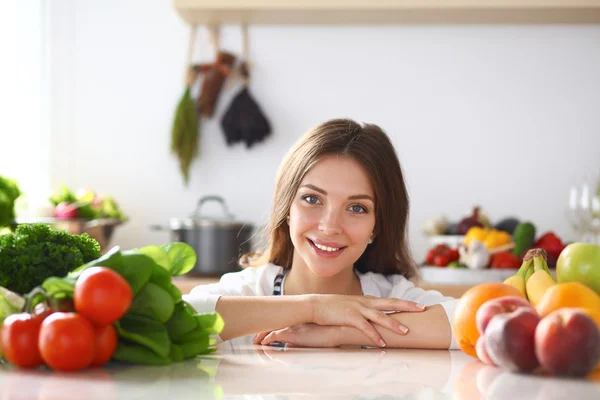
121,306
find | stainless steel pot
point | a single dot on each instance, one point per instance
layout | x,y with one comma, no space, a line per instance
218,242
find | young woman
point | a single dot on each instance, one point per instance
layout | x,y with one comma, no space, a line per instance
337,266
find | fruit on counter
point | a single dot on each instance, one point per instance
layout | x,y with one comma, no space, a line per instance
441,255
464,321
66,210
472,220
509,339
437,225
566,295
580,262
541,279
491,238
550,242
524,237
505,260
475,255
497,306
567,343
507,225
475,233
518,280
88,204
35,252
482,353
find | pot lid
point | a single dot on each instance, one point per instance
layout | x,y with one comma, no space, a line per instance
198,219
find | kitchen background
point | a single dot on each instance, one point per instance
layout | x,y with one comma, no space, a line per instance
503,116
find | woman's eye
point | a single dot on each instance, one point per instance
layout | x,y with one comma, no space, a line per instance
356,208
311,199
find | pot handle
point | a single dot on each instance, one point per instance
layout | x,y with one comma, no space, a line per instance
204,199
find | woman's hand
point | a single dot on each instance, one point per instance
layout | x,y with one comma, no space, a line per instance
303,335
360,312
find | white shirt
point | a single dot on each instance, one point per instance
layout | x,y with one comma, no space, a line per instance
259,281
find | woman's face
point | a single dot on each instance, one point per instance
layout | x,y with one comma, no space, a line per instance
332,216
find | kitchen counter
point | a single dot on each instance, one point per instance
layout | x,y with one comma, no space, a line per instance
242,370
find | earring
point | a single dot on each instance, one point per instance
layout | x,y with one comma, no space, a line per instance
371,240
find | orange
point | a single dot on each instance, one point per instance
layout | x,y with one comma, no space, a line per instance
463,325
569,294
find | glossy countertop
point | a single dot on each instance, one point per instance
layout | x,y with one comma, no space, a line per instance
240,370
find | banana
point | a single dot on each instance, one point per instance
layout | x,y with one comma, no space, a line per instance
541,279
518,280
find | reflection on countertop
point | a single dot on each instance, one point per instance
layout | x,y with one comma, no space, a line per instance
242,370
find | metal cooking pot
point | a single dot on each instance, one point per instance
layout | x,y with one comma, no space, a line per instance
218,242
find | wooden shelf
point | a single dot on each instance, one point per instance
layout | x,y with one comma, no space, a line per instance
387,11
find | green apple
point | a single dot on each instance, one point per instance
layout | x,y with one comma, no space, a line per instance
580,262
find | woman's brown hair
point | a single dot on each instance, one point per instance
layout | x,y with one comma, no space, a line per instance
368,145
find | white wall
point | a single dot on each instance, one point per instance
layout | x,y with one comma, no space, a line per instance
502,116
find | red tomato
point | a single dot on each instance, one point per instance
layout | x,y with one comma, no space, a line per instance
441,260
454,255
67,341
505,259
19,339
102,295
106,344
430,256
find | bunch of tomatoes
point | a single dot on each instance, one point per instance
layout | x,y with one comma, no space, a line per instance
75,339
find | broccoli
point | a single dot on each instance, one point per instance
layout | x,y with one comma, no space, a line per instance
35,252
9,192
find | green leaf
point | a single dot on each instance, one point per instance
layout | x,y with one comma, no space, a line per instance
158,254
195,348
153,302
146,332
176,353
210,323
181,322
53,286
137,354
10,303
182,256
162,278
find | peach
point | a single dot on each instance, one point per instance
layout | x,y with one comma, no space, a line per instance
482,352
567,342
510,339
500,305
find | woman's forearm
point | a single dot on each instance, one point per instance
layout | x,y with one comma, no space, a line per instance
429,329
246,315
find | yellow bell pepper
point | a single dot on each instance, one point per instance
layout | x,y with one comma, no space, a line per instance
496,238
475,233
491,238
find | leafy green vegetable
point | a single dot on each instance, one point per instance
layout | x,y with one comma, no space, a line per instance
146,332
177,258
9,192
137,354
154,302
34,252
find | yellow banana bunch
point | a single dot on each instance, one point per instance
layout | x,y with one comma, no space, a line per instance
518,280
541,279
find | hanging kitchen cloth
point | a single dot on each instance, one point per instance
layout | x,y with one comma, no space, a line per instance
244,120
213,76
186,124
